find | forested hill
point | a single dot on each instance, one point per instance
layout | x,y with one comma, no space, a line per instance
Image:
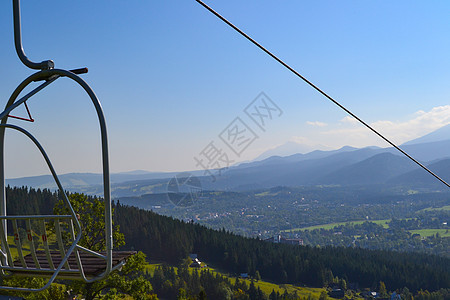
171,240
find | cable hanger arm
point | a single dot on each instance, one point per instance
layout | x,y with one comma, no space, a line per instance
44,65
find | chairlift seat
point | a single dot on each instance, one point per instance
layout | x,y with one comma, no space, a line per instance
92,265
65,258
78,263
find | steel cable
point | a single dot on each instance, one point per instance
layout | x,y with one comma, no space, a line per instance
320,91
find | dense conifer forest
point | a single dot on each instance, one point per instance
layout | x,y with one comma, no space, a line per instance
170,240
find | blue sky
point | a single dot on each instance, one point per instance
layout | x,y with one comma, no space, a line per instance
171,77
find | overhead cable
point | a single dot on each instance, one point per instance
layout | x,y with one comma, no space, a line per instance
320,91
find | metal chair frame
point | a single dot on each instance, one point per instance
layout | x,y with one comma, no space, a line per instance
48,75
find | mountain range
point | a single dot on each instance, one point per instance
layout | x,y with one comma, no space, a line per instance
346,166
290,148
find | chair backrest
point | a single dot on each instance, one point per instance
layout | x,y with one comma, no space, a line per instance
34,241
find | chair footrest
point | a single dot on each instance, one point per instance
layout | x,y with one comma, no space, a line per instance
91,264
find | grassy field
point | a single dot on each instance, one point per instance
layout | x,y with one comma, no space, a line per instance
430,232
13,248
26,245
447,207
265,286
384,223
268,287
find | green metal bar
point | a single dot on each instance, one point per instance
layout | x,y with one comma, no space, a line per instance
77,254
5,245
45,242
60,242
18,243
40,217
30,239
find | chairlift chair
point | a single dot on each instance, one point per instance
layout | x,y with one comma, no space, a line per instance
64,258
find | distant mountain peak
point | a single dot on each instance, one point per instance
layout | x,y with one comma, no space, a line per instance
136,172
291,148
347,148
438,135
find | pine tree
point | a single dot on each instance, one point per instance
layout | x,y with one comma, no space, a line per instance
273,295
202,295
382,289
252,292
257,276
323,296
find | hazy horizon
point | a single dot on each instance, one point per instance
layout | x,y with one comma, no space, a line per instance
173,78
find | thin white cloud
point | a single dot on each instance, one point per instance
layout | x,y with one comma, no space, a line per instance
423,123
349,119
398,131
419,113
316,123
302,140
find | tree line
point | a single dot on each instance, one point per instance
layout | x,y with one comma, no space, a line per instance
171,240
